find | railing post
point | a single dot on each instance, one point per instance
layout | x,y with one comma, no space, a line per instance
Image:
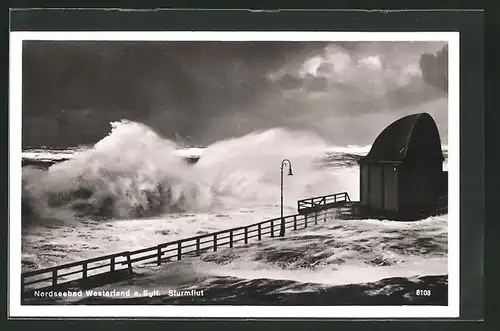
246,235
230,238
325,212
305,220
272,228
294,222
259,231
112,263
84,270
215,242
198,252
129,263
335,198
54,277
316,218
179,250
158,262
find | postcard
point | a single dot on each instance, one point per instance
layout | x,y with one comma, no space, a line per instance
234,174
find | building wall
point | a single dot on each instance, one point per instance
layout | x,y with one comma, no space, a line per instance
364,184
420,186
398,187
391,191
376,196
379,186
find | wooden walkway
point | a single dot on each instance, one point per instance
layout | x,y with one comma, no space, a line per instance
102,269
311,205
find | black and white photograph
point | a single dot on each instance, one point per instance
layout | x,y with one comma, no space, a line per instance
260,172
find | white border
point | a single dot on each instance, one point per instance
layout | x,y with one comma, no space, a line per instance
15,135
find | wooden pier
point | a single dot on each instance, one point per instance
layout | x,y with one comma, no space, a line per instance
105,269
311,205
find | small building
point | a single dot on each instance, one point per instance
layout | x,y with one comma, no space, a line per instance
402,176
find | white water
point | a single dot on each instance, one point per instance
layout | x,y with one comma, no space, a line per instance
150,195
133,172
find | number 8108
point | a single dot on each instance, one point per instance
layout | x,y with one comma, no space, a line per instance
425,293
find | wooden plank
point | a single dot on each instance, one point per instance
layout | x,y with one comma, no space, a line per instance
321,196
158,258
144,258
311,210
66,266
129,263
54,277
179,250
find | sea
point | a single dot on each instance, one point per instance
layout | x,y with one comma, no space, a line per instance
134,189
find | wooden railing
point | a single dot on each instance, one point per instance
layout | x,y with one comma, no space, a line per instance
82,271
314,204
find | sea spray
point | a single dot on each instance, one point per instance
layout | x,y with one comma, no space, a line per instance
133,172
248,167
130,172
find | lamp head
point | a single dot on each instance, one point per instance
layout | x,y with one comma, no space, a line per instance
290,171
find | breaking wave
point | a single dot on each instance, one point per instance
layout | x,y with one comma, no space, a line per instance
134,172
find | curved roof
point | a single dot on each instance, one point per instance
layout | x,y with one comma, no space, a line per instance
413,138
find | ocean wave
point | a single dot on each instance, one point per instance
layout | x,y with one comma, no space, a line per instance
133,172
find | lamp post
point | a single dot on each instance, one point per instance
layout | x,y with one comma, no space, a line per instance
283,163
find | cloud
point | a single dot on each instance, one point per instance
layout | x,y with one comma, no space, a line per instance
380,75
310,66
338,57
434,68
365,71
290,82
206,91
372,62
175,87
318,84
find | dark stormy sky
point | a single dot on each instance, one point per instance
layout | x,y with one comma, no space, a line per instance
201,92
